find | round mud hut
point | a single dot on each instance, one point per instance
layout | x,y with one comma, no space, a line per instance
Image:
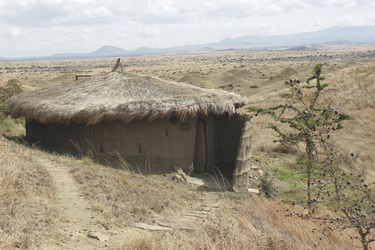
146,121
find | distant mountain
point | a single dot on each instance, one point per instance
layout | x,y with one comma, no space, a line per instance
105,51
331,36
355,34
65,56
340,42
109,50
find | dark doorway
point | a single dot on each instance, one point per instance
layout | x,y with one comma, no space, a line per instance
200,153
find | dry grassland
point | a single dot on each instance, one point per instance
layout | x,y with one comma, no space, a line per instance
28,205
28,199
252,223
351,90
30,216
126,198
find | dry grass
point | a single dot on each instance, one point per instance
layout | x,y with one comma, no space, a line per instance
281,222
353,91
125,198
28,211
243,222
253,223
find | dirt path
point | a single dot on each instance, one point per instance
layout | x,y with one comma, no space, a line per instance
80,227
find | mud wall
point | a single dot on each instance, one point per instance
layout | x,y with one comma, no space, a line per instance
160,145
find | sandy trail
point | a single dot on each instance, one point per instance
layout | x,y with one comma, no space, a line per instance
81,228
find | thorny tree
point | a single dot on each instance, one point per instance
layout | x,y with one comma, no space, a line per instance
311,124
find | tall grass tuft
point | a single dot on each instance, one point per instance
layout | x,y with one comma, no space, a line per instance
120,161
86,150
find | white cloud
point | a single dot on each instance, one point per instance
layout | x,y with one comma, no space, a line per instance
275,8
161,7
344,3
82,1
97,12
14,32
150,30
55,26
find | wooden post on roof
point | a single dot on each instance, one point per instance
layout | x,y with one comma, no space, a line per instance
118,66
241,178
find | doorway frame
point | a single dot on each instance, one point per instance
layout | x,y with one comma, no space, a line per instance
199,141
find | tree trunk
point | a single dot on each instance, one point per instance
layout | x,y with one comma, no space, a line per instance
363,238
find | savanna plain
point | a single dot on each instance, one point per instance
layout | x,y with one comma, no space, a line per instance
58,201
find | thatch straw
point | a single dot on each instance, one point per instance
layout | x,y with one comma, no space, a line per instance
118,96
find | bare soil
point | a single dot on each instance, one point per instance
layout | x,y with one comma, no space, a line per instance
79,224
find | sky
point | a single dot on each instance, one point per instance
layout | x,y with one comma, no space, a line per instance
46,27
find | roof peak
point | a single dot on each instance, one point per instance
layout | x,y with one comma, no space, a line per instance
118,67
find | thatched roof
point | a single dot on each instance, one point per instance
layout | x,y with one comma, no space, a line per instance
118,96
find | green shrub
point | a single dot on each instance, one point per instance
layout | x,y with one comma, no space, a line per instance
266,186
13,87
13,127
3,110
